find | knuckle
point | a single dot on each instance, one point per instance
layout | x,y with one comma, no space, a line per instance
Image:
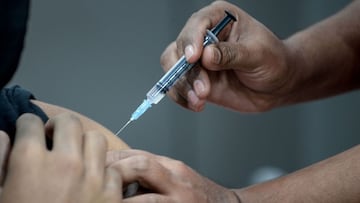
169,56
97,136
180,44
73,164
28,118
142,163
164,56
227,55
223,4
93,182
71,118
29,149
67,118
26,152
195,16
181,167
263,104
28,121
217,2
263,107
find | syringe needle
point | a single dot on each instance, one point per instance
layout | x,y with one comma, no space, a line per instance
121,129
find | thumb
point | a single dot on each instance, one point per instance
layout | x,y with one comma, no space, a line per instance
227,55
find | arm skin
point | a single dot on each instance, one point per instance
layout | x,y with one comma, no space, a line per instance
114,143
333,180
257,72
327,49
326,57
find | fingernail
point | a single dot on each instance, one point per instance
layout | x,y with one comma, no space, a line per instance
217,55
199,87
189,51
192,98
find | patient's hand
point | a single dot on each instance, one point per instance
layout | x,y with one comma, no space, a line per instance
73,171
165,180
114,142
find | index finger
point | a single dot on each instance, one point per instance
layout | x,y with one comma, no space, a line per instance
29,130
190,39
67,132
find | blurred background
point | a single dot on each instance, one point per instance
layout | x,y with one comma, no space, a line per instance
100,57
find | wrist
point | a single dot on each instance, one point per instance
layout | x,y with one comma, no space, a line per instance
296,67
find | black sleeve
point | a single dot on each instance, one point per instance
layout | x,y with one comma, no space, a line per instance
13,24
14,102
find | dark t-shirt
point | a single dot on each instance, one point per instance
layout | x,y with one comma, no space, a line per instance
14,101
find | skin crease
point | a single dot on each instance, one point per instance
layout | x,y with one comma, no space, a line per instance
251,70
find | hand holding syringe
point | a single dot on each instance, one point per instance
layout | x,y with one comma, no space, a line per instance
175,73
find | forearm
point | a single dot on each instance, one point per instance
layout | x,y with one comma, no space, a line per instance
336,179
325,57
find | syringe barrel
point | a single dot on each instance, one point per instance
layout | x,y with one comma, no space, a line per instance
159,90
169,79
175,73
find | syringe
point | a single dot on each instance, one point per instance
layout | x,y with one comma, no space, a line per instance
159,90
